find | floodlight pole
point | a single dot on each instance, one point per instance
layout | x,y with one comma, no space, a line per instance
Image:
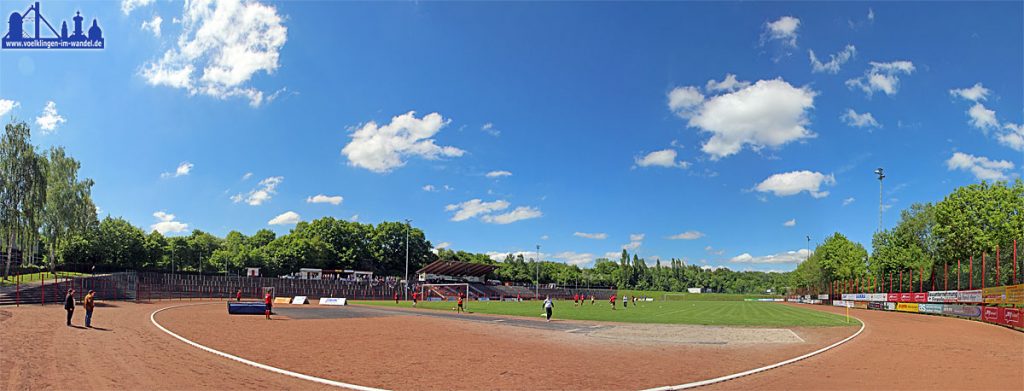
881,175
537,287
406,285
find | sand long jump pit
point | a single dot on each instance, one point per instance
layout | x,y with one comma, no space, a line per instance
436,350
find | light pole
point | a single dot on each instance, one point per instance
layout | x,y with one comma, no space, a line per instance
406,285
881,175
808,248
536,293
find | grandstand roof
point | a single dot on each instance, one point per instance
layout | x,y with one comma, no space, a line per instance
457,269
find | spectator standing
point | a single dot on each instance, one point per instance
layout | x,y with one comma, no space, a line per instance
548,306
267,302
90,304
69,304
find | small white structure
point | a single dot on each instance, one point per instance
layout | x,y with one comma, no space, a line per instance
693,290
252,272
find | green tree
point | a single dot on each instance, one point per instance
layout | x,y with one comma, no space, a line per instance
22,192
123,244
68,209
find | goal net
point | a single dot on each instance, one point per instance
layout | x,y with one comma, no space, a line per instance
445,292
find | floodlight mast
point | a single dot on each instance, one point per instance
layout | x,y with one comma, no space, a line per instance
881,175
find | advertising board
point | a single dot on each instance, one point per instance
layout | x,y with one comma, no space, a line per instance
973,296
906,307
921,297
860,304
840,303
907,297
930,308
332,301
300,300
848,296
970,311
890,306
994,295
992,314
942,296
1015,294
878,297
893,297
874,305
1012,317
823,296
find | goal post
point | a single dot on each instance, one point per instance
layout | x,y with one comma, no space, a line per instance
447,292
674,296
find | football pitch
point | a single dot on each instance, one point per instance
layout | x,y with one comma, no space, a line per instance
715,313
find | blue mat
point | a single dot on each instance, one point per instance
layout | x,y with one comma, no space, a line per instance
246,308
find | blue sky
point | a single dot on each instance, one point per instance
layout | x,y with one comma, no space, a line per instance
617,124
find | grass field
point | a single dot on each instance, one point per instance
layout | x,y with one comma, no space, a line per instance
719,313
31,277
658,295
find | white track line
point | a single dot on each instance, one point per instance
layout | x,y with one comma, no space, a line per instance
152,318
761,369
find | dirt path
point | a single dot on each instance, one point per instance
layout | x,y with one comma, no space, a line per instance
900,351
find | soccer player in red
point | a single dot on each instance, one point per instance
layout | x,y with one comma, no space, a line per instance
612,301
460,304
266,301
415,298
396,297
575,299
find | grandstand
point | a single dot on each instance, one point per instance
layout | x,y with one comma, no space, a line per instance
447,272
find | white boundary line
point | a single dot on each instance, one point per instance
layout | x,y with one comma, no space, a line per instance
761,369
152,318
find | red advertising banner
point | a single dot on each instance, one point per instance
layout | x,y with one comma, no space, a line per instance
992,314
906,297
893,297
1012,317
921,297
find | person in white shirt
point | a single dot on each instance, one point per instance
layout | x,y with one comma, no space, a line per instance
548,306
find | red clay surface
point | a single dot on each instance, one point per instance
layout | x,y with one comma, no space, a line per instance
896,351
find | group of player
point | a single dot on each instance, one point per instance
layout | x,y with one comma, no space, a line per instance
579,299
625,301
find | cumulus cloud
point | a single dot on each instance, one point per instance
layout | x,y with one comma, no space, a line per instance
1012,137
475,207
430,188
835,61
729,84
286,218
683,100
517,214
128,5
183,169
769,113
6,106
866,120
662,158
263,193
49,120
882,76
849,201
688,235
489,128
599,235
975,94
790,183
784,30
784,257
223,44
165,224
713,251
153,25
383,148
498,174
982,118
324,199
574,258
443,245
247,176
527,255
789,223
982,167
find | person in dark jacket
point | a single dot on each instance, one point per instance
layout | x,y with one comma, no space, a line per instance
69,304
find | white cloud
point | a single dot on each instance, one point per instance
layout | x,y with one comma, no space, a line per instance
769,113
785,257
247,176
489,128
354,217
635,241
153,25
574,258
324,199
729,84
835,62
475,207
527,255
866,120
6,106
443,245
183,169
982,168
871,15
228,42
128,5
982,118
544,237
517,214
790,223
713,251
976,93
266,190
784,30
598,235
849,201
790,183
883,76
498,174
662,158
383,148
683,100
166,223
429,188
688,235
286,218
49,120
1012,137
